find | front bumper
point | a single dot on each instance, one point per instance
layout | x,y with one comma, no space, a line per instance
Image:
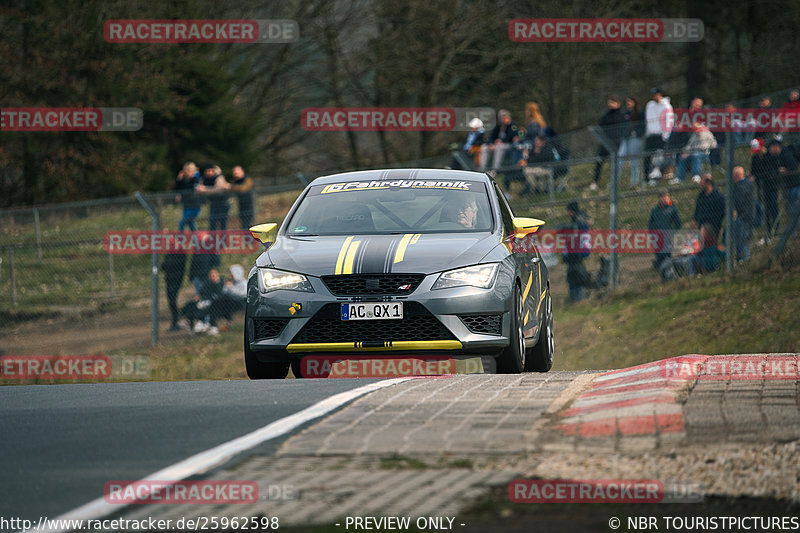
286,325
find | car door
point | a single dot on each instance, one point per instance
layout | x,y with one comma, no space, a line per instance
529,266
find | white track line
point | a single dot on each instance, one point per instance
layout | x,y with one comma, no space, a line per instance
208,459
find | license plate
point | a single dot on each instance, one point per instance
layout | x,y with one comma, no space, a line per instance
372,311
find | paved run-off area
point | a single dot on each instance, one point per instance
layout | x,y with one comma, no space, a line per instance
434,446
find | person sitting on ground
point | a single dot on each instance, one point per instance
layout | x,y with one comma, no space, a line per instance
541,152
473,146
710,256
207,306
237,285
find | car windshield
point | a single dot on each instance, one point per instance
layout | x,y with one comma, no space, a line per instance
383,207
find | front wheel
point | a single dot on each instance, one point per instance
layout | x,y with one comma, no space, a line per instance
512,360
540,357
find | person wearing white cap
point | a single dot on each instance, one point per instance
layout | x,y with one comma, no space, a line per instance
473,145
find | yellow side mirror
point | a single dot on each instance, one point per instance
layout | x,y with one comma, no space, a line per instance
523,226
265,233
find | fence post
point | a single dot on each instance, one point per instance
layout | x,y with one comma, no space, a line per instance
613,199
38,235
153,272
111,273
12,278
730,238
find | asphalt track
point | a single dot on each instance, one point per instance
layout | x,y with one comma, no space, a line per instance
61,443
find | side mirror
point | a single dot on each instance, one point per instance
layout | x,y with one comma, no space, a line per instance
523,226
265,233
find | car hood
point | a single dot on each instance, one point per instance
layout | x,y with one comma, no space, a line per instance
363,254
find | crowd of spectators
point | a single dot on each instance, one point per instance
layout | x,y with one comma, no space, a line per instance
658,154
214,297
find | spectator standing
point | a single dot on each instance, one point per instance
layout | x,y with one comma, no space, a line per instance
743,130
765,104
656,133
709,208
174,268
612,123
744,210
502,139
242,186
664,217
781,167
186,184
700,143
577,275
766,182
216,187
632,139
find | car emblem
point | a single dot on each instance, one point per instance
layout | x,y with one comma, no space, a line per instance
404,287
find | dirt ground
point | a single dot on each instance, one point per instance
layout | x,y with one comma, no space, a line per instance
73,334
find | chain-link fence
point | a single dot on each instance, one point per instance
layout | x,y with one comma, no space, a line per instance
69,288
617,211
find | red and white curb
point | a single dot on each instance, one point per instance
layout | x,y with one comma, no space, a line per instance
641,400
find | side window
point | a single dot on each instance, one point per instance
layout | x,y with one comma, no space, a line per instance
505,209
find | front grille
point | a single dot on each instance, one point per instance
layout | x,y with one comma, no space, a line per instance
483,324
372,284
417,324
267,328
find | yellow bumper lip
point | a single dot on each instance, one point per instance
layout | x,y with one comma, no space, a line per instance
388,346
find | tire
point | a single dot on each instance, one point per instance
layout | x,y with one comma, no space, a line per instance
258,370
540,357
512,360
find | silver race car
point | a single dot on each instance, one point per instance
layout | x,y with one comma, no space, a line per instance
406,263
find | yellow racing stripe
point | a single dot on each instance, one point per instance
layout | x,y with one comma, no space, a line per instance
401,248
528,287
350,257
342,252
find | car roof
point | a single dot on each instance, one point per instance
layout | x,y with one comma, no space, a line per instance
402,174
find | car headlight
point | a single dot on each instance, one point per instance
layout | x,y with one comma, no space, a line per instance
481,276
270,279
